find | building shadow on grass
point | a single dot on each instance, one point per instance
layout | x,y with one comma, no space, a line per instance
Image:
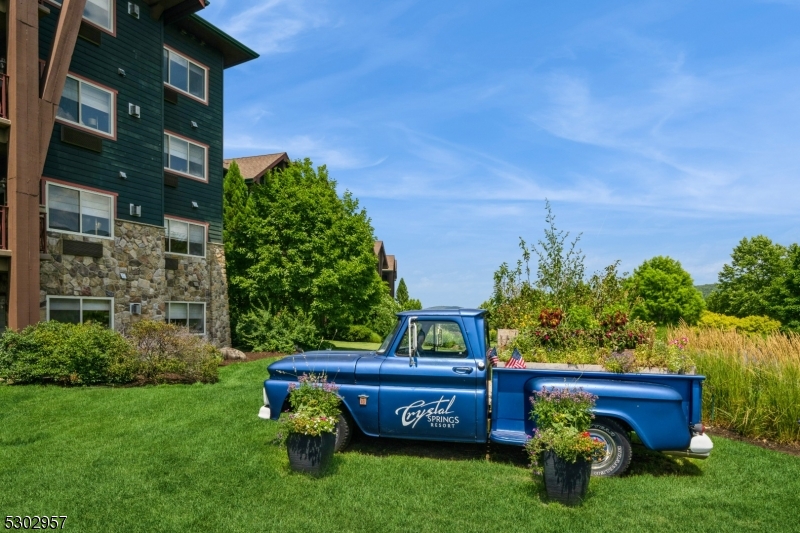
645,462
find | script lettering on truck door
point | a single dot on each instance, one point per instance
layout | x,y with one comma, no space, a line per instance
438,414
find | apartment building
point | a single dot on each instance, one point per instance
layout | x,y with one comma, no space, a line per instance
125,164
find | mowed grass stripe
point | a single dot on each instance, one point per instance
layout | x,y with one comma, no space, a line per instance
196,457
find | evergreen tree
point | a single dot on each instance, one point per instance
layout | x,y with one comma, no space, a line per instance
401,294
403,300
234,218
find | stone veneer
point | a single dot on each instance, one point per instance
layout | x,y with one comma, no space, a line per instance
132,270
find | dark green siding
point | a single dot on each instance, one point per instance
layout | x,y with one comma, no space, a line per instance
178,119
137,49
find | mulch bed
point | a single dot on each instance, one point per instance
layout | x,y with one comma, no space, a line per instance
251,356
791,449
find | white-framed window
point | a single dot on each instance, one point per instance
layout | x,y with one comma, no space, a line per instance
188,314
88,105
75,310
185,157
185,238
99,12
185,75
75,210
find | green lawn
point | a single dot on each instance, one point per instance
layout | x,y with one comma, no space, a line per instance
196,458
345,345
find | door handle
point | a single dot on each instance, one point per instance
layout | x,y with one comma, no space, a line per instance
462,369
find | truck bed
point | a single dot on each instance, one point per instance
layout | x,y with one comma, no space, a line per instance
644,403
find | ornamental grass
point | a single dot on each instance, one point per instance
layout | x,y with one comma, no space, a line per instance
752,381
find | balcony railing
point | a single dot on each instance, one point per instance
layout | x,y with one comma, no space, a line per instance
42,234
3,96
3,227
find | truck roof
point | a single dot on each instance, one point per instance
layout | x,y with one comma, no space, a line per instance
444,311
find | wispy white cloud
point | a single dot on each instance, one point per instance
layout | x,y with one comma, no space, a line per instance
319,150
270,26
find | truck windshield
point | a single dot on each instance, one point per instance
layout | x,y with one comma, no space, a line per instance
389,337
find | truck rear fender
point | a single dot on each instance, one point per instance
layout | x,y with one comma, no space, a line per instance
655,412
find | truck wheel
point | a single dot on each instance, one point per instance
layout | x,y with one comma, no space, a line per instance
618,448
344,432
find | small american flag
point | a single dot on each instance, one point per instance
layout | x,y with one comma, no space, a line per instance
516,360
491,355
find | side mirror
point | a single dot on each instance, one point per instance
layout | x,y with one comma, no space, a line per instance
412,339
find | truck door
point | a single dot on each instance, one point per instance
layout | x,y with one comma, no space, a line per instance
432,395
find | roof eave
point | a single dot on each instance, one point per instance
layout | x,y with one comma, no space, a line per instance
233,52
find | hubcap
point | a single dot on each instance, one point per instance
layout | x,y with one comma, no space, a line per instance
599,435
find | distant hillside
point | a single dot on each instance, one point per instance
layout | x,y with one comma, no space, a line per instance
706,289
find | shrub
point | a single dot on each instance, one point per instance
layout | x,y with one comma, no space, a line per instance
361,334
261,330
718,321
757,325
78,354
167,352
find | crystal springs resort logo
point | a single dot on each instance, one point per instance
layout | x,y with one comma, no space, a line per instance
437,413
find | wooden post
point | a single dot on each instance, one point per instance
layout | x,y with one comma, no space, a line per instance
23,162
55,71
32,120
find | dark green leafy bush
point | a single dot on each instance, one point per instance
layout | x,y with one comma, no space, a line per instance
82,354
361,334
261,330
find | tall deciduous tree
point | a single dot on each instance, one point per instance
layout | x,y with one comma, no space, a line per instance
301,246
665,292
749,285
788,294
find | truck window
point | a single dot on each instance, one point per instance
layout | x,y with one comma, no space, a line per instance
436,339
389,337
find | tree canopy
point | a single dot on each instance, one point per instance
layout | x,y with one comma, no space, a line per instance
665,292
750,284
295,244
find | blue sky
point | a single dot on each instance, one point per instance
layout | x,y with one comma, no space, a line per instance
654,128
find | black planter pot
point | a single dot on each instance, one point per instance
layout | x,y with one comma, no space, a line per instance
566,482
310,455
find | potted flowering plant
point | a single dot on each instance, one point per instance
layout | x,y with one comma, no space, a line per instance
561,441
309,432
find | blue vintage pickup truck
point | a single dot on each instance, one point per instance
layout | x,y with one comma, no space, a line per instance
430,380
